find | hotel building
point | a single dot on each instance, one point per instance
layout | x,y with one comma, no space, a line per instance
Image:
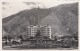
44,31
31,30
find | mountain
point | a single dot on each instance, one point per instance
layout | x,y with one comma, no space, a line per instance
68,15
60,18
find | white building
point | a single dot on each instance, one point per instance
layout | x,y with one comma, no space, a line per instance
46,31
31,31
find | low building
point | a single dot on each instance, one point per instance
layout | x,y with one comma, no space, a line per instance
39,41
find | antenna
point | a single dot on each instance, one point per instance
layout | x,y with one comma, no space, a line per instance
38,30
38,18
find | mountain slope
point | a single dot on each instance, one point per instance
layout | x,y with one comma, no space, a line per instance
59,18
68,15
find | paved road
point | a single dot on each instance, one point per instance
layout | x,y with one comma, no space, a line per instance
16,48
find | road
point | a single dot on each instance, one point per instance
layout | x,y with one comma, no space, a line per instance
24,47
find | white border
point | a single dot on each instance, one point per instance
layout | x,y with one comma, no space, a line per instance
33,1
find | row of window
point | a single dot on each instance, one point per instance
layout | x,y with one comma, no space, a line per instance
37,28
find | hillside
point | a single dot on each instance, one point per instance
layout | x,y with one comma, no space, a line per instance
59,18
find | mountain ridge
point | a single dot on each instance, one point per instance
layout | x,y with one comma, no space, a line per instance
59,18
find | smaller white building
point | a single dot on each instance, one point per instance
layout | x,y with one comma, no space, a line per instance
46,31
31,31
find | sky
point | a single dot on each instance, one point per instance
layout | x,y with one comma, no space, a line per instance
9,8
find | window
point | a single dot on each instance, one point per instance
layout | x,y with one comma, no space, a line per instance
32,30
31,26
48,36
48,28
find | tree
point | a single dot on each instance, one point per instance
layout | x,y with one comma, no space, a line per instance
55,38
21,37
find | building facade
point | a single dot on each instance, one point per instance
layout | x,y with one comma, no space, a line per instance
31,30
44,31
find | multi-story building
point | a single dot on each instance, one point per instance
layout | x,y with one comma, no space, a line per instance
31,30
46,31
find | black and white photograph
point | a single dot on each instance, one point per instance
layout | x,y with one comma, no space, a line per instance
40,25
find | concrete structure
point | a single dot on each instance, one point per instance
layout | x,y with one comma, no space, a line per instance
31,30
46,31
